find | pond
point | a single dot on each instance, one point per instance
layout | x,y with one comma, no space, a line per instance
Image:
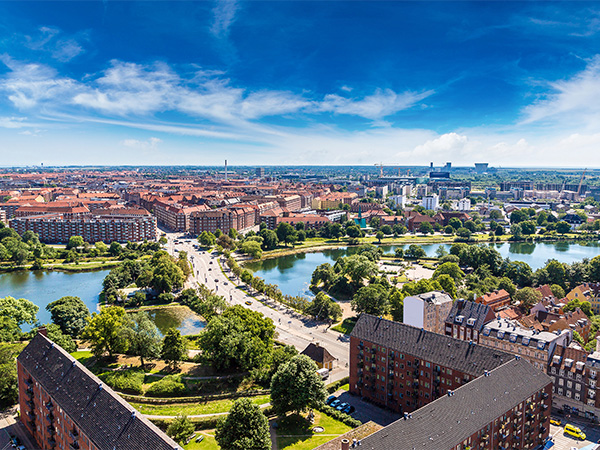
292,273
44,287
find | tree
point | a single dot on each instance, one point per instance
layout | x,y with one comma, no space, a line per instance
21,310
75,242
9,329
518,216
207,239
162,240
296,386
563,227
528,227
103,331
9,387
415,251
180,429
426,228
115,249
353,231
166,274
55,334
528,297
270,239
371,299
101,247
379,235
448,284
174,348
455,223
281,355
143,336
359,267
252,248
246,276
506,284
70,314
495,214
397,305
585,306
451,269
285,233
324,307
244,428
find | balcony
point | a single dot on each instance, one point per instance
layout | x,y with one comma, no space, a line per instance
50,429
29,392
544,395
74,446
50,418
28,382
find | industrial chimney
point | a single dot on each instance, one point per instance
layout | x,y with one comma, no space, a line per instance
225,170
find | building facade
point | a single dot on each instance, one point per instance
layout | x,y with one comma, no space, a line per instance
466,320
428,311
65,407
404,368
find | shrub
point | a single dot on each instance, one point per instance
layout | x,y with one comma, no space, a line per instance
331,388
180,429
169,386
339,416
128,381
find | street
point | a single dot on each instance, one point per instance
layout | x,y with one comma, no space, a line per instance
563,441
292,328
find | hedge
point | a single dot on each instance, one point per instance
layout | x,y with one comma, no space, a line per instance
331,388
169,386
127,381
340,416
194,399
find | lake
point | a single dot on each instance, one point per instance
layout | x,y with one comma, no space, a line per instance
292,273
44,287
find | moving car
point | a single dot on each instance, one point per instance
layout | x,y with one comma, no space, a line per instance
575,432
248,302
554,421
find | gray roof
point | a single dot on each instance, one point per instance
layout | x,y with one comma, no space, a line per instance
469,310
467,357
107,420
449,420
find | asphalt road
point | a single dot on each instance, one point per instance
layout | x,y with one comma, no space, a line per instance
292,328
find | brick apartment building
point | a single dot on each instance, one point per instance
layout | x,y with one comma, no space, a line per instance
64,406
506,408
175,217
222,219
497,299
466,320
403,367
107,226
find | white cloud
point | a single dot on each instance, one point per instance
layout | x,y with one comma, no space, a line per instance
224,15
575,100
60,46
150,144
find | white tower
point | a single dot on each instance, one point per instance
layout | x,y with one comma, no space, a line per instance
225,170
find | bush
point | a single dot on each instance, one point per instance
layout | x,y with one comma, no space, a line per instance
331,388
169,386
339,416
166,297
180,429
125,381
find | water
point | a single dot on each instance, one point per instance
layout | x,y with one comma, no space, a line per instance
44,287
292,273
179,317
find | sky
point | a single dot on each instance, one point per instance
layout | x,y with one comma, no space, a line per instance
300,82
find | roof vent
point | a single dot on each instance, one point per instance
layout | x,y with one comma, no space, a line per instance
132,414
100,387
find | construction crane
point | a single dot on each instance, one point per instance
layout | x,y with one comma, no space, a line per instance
581,181
380,169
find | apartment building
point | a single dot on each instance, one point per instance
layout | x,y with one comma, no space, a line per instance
104,227
589,292
497,299
506,408
428,311
403,367
575,375
238,218
64,406
466,320
537,347
174,216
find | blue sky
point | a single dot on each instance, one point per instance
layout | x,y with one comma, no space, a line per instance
307,82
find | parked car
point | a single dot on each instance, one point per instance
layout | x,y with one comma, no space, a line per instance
341,406
575,432
348,409
554,421
330,399
334,403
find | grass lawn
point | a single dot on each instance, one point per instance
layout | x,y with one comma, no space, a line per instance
295,432
193,409
83,357
345,387
346,326
208,443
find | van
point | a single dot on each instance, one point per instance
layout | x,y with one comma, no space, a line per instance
575,432
324,373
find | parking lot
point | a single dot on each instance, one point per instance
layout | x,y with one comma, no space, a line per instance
367,411
563,441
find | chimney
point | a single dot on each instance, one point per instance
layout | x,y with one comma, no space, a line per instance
345,444
225,170
43,331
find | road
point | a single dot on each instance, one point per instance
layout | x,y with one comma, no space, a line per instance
563,441
292,328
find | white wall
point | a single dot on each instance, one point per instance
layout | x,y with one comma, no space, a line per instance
413,311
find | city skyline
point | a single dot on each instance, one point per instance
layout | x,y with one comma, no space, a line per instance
263,83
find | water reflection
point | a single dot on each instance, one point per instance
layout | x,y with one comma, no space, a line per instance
178,317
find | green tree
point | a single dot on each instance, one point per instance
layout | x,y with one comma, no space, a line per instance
397,305
246,276
103,331
426,228
448,284
528,297
162,240
9,329
180,429
143,336
563,227
9,387
455,223
528,227
244,428
296,386
324,307
359,267
282,355
379,235
21,310
70,314
449,268
270,239
285,233
115,249
415,251
371,299
174,348
75,242
252,248
101,247
56,335
207,239
506,284
166,274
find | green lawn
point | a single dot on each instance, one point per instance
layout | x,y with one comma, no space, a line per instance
193,409
295,432
346,326
83,357
208,443
345,387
